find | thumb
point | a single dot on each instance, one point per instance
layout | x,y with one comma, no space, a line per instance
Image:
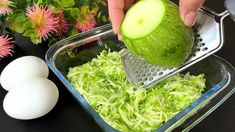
188,10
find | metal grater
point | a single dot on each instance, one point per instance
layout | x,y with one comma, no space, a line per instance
209,39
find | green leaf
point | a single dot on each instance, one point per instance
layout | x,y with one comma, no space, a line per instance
27,25
20,4
36,40
84,9
19,15
99,17
85,2
104,3
93,5
28,33
73,32
2,17
104,19
74,12
67,3
17,21
71,54
53,40
17,26
98,1
53,3
41,1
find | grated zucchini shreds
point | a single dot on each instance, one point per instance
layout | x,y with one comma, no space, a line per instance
103,83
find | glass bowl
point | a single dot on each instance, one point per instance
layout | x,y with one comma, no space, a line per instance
79,49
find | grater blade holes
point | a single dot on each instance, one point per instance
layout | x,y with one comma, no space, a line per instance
151,79
202,44
204,49
160,73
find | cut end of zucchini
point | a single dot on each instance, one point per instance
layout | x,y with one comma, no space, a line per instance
141,19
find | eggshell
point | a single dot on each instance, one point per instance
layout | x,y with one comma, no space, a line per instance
22,69
31,99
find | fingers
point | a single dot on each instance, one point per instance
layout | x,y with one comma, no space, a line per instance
188,10
116,13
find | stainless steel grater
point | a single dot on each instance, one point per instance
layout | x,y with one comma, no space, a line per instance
209,39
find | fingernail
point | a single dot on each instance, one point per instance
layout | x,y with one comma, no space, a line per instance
190,18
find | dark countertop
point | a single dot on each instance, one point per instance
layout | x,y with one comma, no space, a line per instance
69,116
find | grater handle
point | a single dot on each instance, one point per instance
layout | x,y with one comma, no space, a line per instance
230,5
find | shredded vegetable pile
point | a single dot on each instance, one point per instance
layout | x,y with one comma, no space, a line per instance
103,83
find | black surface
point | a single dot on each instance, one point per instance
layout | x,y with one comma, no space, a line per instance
68,116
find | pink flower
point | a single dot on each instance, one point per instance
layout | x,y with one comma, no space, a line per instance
87,24
62,25
6,46
42,20
5,7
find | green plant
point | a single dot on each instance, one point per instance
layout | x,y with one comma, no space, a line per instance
51,20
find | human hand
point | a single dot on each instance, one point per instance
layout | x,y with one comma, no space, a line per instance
188,10
117,8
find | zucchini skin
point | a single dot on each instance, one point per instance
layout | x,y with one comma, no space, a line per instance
169,45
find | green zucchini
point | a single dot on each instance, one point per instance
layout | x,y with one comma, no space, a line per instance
153,30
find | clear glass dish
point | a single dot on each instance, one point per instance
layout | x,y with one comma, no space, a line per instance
77,50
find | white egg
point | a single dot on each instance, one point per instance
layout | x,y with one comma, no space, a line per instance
31,99
22,69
